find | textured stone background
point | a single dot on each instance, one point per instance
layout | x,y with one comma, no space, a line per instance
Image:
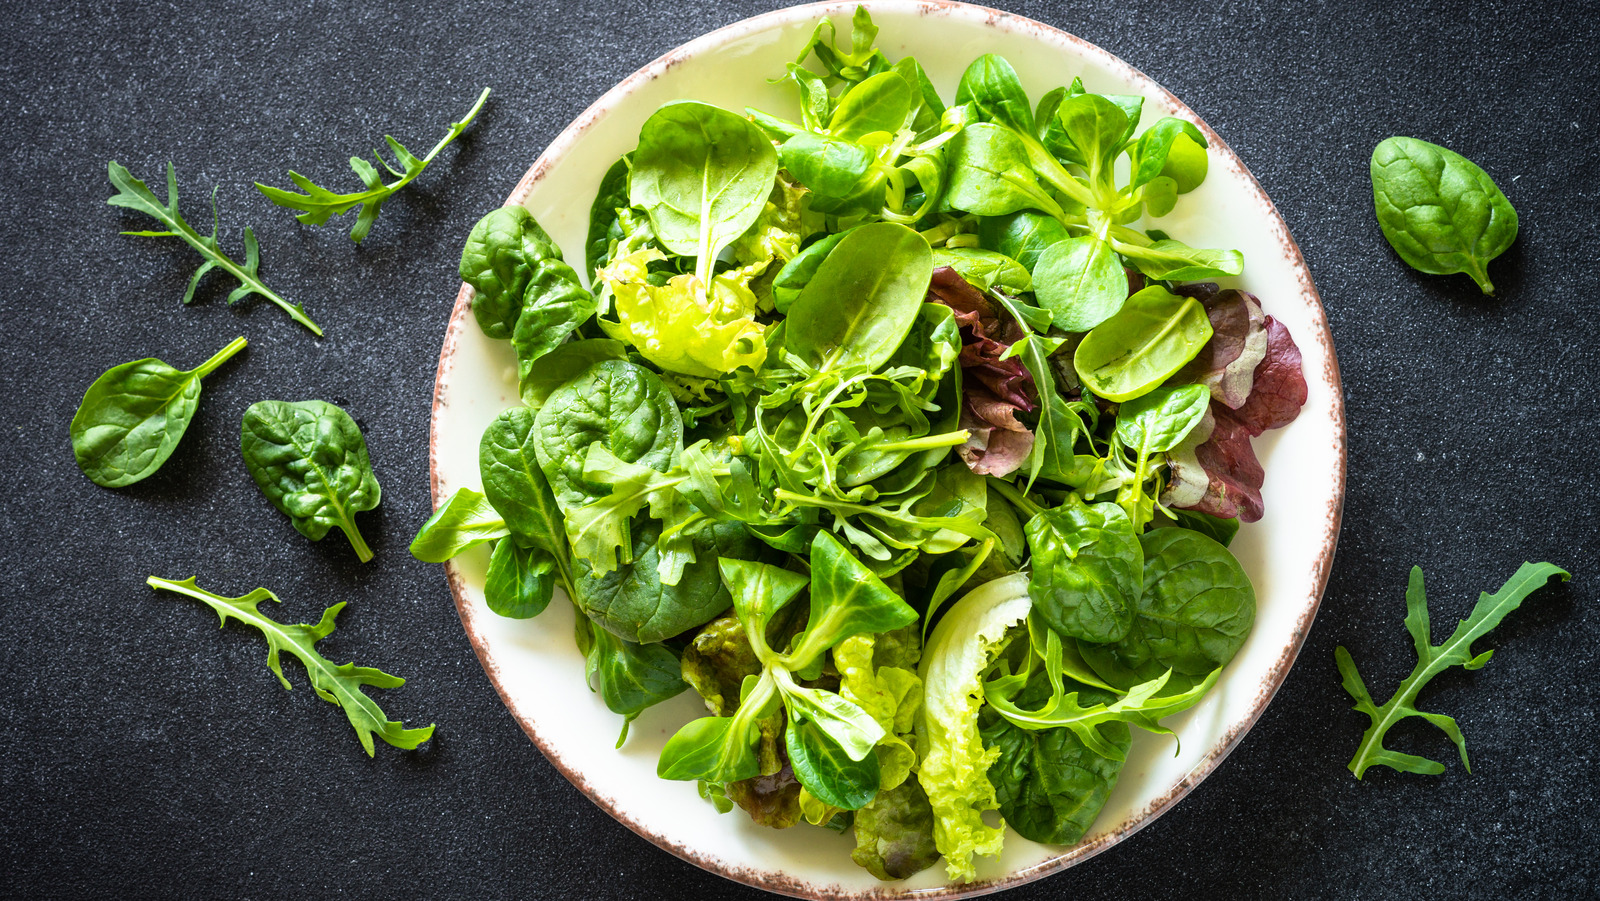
146,754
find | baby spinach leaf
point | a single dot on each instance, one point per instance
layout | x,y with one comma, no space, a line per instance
134,415
1431,661
310,460
339,685
1158,421
632,601
702,174
798,272
612,195
497,262
632,677
465,520
319,203
825,769
1087,569
134,195
1080,281
1194,613
830,167
1050,785
856,310
987,269
1439,211
1154,334
520,581
565,363
621,406
1217,528
515,485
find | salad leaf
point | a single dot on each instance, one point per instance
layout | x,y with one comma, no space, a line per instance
894,833
955,763
340,685
611,196
624,408
631,676
133,194
1432,660
520,580
1080,282
310,459
1153,335
1439,211
319,204
859,306
133,416
1227,363
1278,388
703,175
682,326
1088,567
466,519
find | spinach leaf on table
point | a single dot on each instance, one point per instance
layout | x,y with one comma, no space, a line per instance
466,519
1439,211
702,174
1431,661
340,685
134,415
133,194
318,204
310,460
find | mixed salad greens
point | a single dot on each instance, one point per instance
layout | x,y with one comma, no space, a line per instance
887,432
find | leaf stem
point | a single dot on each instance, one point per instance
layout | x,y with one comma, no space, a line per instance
220,357
363,553
1010,493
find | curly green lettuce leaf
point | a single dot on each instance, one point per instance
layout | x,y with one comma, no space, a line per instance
955,763
677,326
336,684
891,695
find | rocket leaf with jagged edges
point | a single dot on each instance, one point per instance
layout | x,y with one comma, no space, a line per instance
1431,660
339,684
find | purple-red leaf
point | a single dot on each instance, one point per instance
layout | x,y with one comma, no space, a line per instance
1227,363
1235,474
1279,389
993,390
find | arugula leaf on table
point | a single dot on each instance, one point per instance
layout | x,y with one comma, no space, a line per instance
133,194
337,684
133,416
1431,661
319,204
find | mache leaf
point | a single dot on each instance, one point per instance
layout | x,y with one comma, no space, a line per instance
1431,660
338,684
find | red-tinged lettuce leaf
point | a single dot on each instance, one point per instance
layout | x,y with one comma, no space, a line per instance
993,390
772,801
1279,389
1227,364
1234,475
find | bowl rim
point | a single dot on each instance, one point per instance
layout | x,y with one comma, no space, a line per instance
783,884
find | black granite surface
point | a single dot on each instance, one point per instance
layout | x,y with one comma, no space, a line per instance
145,754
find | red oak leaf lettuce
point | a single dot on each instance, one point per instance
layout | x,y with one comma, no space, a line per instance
993,390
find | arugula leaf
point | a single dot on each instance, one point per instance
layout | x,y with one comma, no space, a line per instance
133,416
133,194
320,204
1431,661
337,684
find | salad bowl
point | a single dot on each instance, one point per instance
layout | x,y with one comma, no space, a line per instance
535,664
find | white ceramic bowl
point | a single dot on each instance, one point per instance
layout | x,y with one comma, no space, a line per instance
534,663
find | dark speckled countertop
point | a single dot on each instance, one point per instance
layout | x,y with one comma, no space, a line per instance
148,755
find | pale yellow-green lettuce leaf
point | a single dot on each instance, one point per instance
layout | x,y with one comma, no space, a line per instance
890,694
679,326
955,765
